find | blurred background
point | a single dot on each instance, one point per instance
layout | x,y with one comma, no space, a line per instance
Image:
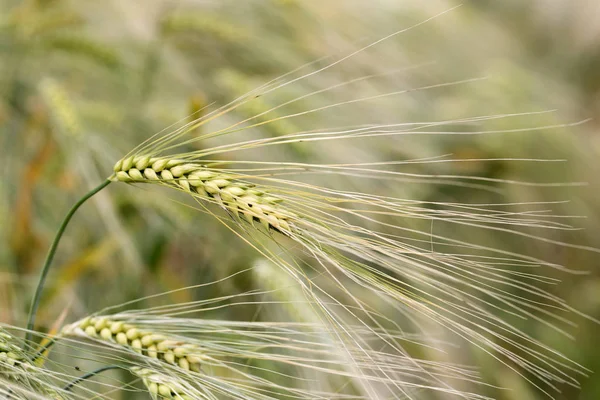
82,83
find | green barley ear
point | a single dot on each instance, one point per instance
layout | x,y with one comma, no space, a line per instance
242,199
12,358
62,110
162,386
23,380
132,338
258,360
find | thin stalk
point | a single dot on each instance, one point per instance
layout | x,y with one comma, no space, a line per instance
45,348
50,257
89,375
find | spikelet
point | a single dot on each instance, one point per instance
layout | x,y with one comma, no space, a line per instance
239,198
161,386
23,379
160,347
61,108
13,362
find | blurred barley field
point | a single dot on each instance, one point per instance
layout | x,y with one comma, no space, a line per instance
82,83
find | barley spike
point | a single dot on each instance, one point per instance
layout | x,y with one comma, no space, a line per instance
11,355
16,367
239,198
160,347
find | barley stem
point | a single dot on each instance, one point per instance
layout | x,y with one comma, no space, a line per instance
50,256
41,352
91,374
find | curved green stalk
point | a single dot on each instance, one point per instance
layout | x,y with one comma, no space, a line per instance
91,374
50,256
